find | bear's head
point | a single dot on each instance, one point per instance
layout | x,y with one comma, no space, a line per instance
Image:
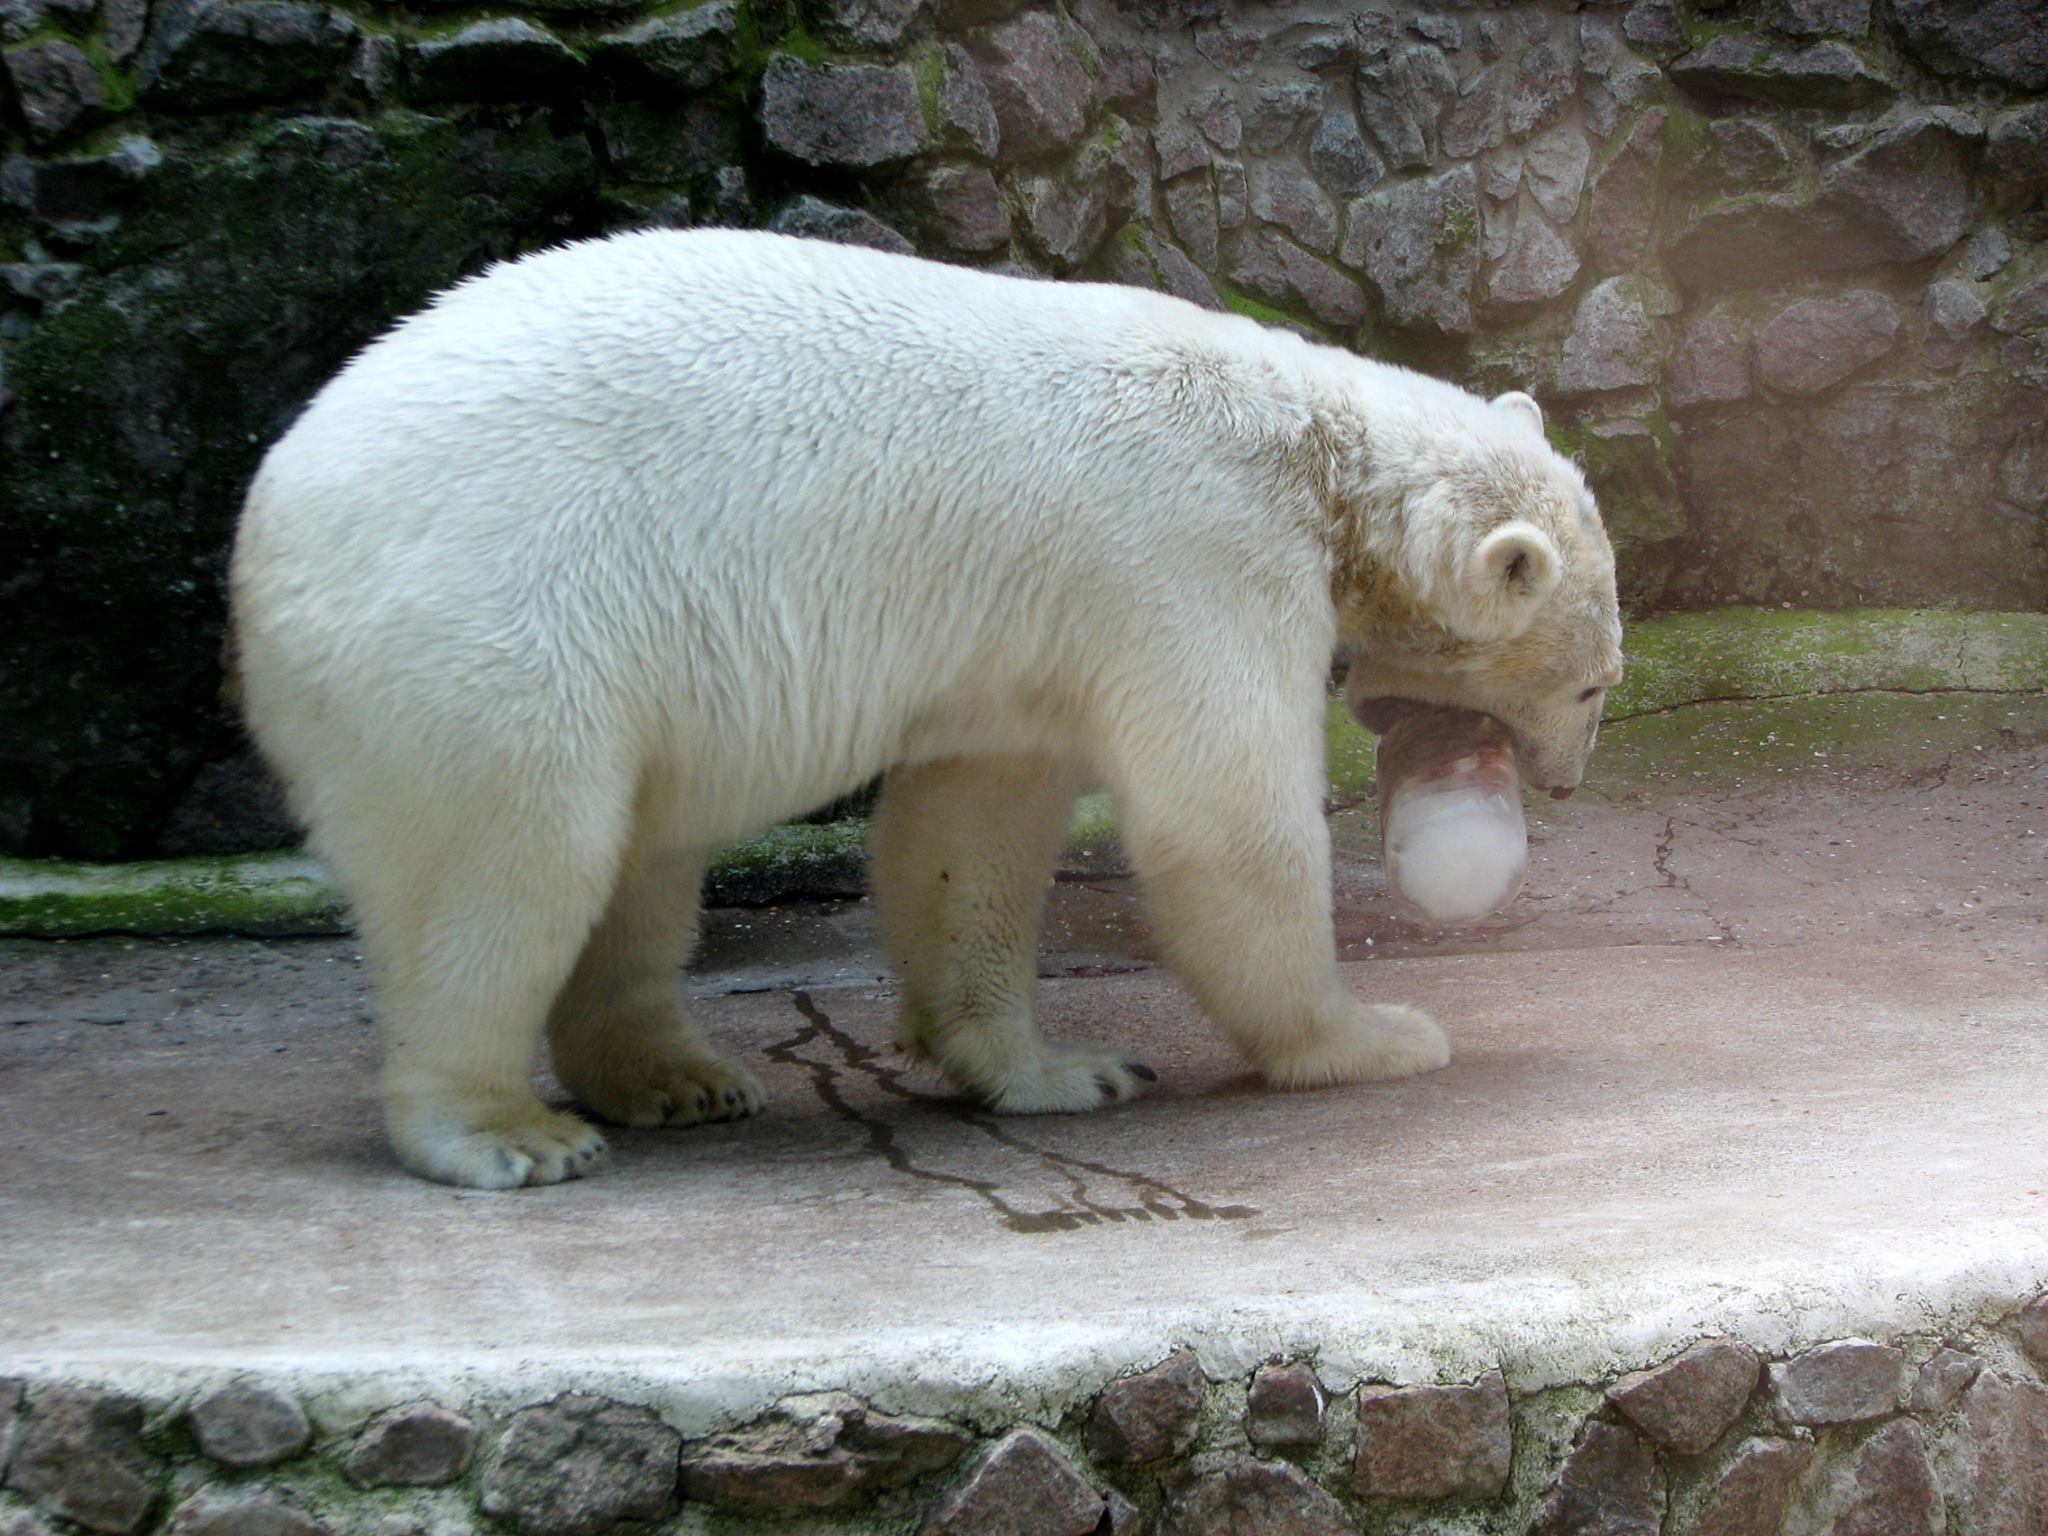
1486,581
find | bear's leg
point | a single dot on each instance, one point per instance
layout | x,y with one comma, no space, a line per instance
467,944
961,853
1233,854
621,1042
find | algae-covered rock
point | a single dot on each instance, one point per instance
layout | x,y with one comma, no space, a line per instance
221,290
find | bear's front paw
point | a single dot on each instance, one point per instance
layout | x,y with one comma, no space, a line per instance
682,1087
1363,1045
501,1145
1066,1079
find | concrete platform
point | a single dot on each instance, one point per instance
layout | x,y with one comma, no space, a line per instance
1762,1054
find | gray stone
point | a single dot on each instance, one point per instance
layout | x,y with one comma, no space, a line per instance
1711,365
1239,1496
1318,47
1401,98
1986,253
958,207
1688,1403
685,50
1230,194
1543,89
1478,120
1036,85
1280,109
819,1452
1216,115
1996,40
2016,149
1149,1416
1747,154
57,89
223,1512
127,23
1614,342
11,1391
840,114
1749,1496
1820,18
1827,74
1554,170
79,1454
1191,210
1444,31
1180,149
1285,1408
1997,1467
247,1424
421,1445
813,218
1179,276
1885,1487
1905,195
1654,26
1128,81
1020,1486
2023,312
1610,1485
1418,243
1814,345
1623,203
1066,215
1942,1379
19,1522
967,119
1434,1442
1276,269
2023,471
1339,157
1121,1517
1285,195
1234,50
579,1465
2030,1325
500,58
1840,1383
1537,266
866,23
666,142
1953,309
207,54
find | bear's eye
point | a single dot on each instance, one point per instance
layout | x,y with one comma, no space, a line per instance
1590,695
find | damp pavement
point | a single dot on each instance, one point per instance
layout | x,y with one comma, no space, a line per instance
1761,1051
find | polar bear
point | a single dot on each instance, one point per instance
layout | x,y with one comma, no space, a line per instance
623,550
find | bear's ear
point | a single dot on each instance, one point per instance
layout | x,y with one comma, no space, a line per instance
1506,578
1522,407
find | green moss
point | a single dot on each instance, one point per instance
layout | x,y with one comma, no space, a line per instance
929,71
799,859
1347,752
1752,653
1112,132
798,43
1090,64
1460,226
262,893
114,82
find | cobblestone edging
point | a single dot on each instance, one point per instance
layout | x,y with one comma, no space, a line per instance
1854,1435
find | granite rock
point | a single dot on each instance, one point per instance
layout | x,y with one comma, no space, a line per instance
1020,1486
1610,1485
57,89
1036,85
1614,343
1339,157
853,115
78,1453
1240,1495
421,1445
1815,344
1418,244
686,50
1840,1383
1149,1416
1710,365
224,1512
579,1465
818,1452
1285,1408
1748,1496
1434,1442
815,219
1686,1404
1401,99
247,1424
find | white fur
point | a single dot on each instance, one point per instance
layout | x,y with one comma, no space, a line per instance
624,550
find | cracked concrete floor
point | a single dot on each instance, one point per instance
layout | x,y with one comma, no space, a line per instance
1760,1050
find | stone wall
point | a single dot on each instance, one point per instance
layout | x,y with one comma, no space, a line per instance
1916,1438
1778,269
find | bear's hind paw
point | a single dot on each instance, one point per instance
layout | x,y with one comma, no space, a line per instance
1375,1044
1068,1079
513,1147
